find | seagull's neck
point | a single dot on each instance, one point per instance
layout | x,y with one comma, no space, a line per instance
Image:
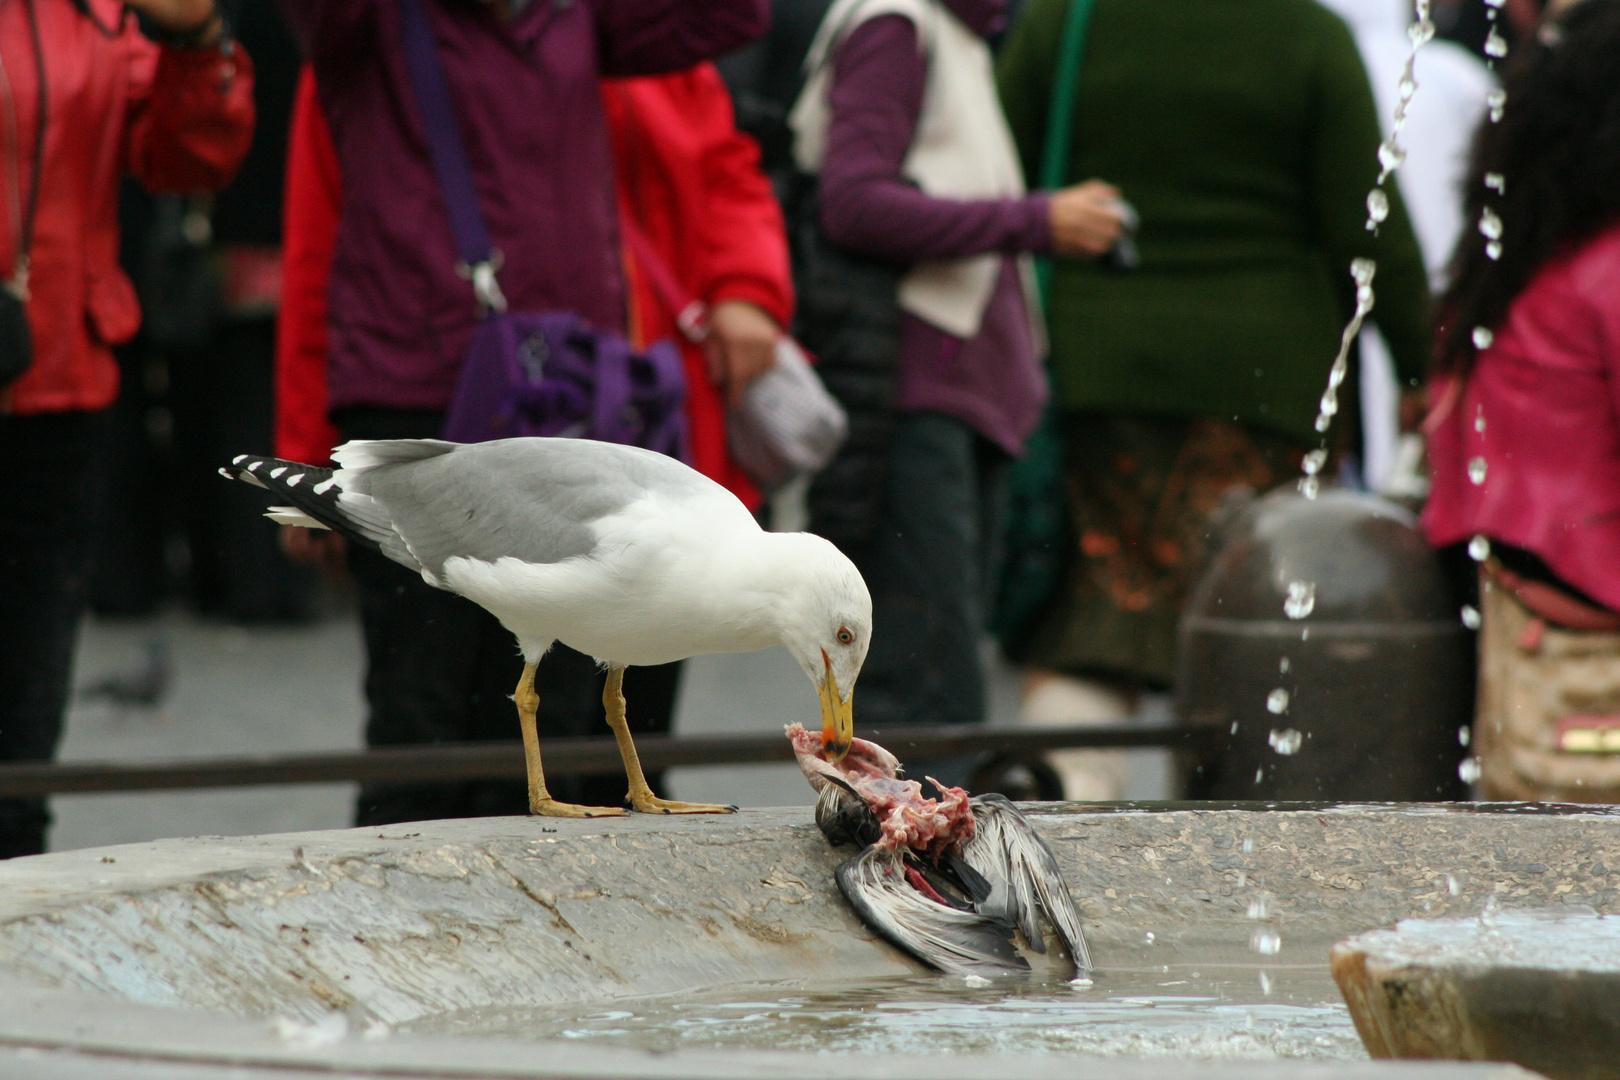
766,572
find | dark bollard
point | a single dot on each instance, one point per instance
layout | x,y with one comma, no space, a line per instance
1323,642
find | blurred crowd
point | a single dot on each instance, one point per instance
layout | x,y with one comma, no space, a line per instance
1074,270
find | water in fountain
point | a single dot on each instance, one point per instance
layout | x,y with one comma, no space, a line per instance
1204,1008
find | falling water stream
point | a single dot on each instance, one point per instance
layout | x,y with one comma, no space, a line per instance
1301,598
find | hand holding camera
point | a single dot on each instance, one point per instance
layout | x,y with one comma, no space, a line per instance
1091,220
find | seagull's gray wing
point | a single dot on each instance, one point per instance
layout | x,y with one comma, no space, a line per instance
1023,872
956,942
422,501
532,499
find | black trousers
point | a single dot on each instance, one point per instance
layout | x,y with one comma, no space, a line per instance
51,475
927,567
439,668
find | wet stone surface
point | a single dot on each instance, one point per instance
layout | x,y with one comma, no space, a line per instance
1540,987
449,927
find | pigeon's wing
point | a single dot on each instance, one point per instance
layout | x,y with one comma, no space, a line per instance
955,942
1023,873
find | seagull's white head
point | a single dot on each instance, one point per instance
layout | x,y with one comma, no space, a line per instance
825,621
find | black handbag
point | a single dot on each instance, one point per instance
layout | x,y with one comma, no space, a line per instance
849,319
16,342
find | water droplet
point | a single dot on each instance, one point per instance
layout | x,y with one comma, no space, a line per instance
1496,182
1420,32
1406,87
1282,666
1266,942
1495,100
1148,937
1476,470
1310,486
1468,770
1479,548
1277,703
1248,845
1452,887
1377,208
1479,420
1259,774
1301,599
1483,337
1234,728
1259,908
1493,250
1465,735
1495,44
1312,463
1390,157
1470,619
1286,742
1265,984
1490,226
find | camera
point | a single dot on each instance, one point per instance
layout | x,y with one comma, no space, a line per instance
1123,255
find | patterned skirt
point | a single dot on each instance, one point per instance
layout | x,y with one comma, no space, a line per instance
1143,492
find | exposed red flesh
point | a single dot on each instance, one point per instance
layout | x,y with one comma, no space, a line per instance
905,816
920,883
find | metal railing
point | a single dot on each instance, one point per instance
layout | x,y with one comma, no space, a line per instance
504,760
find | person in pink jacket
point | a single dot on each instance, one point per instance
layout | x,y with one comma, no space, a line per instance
1524,422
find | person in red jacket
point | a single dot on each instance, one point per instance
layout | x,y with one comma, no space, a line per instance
179,117
690,185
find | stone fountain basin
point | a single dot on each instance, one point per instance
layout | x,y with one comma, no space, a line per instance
1537,986
199,951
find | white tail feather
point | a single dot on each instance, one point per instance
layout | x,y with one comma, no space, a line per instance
291,515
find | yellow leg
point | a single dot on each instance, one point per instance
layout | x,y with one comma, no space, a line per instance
540,800
641,796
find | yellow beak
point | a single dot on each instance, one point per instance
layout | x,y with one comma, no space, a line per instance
837,717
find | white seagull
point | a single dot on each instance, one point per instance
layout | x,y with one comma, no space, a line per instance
626,555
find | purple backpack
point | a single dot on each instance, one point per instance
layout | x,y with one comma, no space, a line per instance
534,373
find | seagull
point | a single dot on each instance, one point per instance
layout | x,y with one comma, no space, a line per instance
948,880
629,556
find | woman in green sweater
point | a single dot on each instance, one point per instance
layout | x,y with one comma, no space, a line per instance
1244,133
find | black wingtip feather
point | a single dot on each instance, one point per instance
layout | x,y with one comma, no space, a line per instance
294,483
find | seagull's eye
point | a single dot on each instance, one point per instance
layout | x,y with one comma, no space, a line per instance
846,636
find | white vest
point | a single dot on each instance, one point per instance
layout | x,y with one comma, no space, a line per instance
962,150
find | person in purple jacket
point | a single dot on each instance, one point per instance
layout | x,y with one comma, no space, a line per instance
899,118
522,81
